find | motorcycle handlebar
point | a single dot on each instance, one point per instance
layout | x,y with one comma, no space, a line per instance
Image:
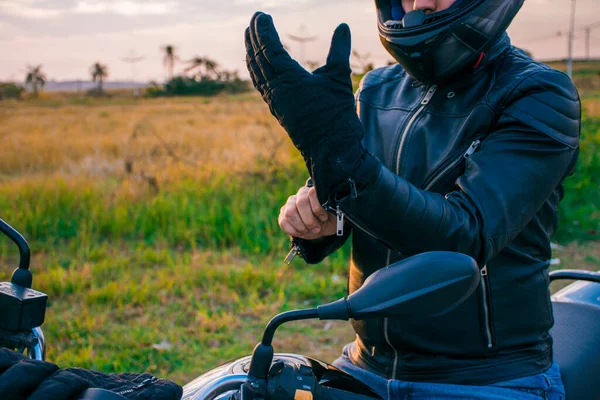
573,274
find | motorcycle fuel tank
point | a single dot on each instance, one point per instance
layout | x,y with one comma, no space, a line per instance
222,382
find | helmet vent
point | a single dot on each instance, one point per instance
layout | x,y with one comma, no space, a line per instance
394,24
433,18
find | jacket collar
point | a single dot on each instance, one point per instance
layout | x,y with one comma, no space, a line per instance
496,50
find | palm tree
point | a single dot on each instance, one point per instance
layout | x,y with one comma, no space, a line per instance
170,58
35,77
210,67
99,72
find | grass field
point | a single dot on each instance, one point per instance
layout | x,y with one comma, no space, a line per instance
153,225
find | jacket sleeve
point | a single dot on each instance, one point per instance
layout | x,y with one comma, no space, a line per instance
315,251
532,148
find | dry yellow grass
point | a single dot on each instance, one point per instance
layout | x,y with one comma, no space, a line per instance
164,138
592,107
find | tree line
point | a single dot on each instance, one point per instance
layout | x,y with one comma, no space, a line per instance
201,75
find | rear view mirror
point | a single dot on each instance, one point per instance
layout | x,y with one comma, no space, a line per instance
427,284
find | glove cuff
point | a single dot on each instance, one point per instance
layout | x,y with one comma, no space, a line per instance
342,179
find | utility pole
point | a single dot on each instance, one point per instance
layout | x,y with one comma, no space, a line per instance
571,38
133,59
588,31
302,38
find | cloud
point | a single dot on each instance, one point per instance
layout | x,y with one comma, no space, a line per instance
272,3
28,9
128,8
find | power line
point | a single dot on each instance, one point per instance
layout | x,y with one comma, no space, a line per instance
571,35
544,38
558,34
302,38
133,59
571,39
590,26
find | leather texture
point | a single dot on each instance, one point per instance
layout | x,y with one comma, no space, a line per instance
474,167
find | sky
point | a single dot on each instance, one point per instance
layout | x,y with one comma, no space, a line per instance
68,36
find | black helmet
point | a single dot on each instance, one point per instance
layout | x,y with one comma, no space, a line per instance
435,47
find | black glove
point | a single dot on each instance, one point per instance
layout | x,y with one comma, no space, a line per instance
316,109
22,378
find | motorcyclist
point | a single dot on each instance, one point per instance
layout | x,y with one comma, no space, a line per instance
462,146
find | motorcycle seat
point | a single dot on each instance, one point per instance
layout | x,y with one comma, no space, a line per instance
576,335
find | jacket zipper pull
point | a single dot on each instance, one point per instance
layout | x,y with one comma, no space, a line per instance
429,95
292,254
146,382
484,271
472,149
353,191
340,221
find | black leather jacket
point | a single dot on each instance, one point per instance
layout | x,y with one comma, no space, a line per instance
474,167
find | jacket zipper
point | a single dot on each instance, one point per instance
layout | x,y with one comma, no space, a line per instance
341,216
428,96
146,382
389,342
486,306
435,178
430,92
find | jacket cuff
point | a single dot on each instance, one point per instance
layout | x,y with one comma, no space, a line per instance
315,251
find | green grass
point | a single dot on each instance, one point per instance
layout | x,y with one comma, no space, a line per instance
580,210
218,213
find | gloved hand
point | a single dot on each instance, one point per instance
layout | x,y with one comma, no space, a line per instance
316,109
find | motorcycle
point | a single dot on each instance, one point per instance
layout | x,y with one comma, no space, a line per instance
400,290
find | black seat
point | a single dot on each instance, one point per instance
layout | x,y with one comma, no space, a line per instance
576,335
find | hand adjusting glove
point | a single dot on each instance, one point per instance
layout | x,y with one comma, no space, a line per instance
316,109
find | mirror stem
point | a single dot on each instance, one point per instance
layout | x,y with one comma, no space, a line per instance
22,275
280,319
262,356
